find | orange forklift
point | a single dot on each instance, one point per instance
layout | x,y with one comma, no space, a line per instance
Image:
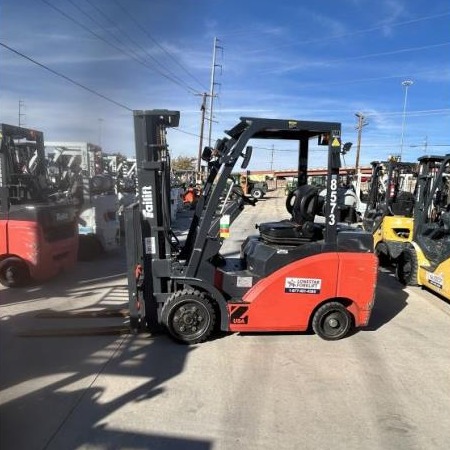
294,275
38,232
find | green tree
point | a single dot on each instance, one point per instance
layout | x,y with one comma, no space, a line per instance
183,163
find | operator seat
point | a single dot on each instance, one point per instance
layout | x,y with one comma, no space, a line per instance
301,227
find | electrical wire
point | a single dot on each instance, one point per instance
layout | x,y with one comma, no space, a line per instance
417,113
349,34
65,77
86,28
133,19
134,42
185,132
76,83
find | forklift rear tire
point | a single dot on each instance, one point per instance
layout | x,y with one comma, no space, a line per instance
332,321
89,248
407,267
14,272
189,316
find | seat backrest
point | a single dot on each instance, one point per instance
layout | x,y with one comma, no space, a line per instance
305,204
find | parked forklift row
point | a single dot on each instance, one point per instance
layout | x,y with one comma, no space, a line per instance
56,206
292,275
408,213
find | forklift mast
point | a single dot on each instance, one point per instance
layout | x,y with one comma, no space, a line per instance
75,167
147,223
391,192
432,193
23,175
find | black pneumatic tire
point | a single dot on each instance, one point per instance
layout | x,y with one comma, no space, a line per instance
407,267
189,316
256,193
382,252
89,248
332,321
14,272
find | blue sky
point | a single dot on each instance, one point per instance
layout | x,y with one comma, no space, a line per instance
323,60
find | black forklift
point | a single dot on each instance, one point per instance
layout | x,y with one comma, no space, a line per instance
294,275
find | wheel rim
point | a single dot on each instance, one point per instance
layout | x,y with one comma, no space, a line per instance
334,324
11,274
190,320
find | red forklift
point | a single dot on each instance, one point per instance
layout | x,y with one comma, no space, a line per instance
294,275
38,232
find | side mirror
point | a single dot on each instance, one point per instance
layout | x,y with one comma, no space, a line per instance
207,154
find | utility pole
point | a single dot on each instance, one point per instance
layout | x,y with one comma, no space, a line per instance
271,159
361,123
406,84
211,91
21,114
200,145
100,131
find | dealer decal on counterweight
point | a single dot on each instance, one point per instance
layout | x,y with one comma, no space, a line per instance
302,285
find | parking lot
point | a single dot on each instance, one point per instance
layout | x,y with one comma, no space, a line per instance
81,381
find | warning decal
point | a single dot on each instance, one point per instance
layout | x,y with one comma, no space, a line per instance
336,142
302,285
435,280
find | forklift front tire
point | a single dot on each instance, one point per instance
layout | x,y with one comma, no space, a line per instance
189,316
332,321
407,267
14,272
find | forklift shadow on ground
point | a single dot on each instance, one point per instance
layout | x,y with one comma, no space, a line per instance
108,269
387,305
43,391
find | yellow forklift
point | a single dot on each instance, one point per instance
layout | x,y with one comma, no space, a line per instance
425,261
389,212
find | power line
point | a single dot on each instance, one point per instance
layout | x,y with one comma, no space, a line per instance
86,28
349,34
366,80
185,132
124,33
133,19
417,113
54,72
364,56
393,52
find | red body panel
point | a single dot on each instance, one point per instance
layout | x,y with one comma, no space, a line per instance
285,300
44,259
3,237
